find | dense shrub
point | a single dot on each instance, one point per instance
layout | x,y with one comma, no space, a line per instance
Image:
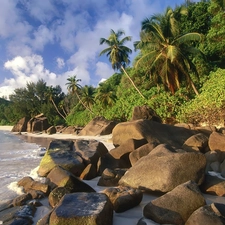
209,106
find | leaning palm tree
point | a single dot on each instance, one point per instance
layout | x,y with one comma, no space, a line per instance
74,87
118,53
166,53
88,95
50,94
105,95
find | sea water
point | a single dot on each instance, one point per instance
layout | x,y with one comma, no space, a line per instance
17,160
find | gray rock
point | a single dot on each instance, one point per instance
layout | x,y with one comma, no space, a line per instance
90,150
111,177
63,178
56,195
123,198
83,208
140,152
61,153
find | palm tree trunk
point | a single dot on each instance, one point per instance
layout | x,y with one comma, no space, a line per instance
194,88
64,111
58,110
132,82
83,103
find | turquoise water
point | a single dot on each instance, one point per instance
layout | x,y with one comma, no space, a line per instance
17,159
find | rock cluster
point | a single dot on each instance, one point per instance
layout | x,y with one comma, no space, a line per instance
39,123
173,161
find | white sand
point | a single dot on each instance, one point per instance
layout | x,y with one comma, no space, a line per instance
131,216
6,128
105,139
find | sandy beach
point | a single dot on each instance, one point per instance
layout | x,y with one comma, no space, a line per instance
130,217
6,128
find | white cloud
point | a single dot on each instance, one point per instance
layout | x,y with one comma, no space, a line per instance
65,32
42,11
60,63
42,37
104,70
27,69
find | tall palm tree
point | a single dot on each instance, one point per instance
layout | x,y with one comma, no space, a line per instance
118,53
165,52
74,87
50,94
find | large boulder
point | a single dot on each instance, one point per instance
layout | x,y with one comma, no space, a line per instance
208,215
197,142
68,130
145,112
176,206
56,195
111,177
38,123
21,126
217,142
154,132
83,208
98,126
165,168
123,198
123,151
63,178
90,150
29,183
143,150
61,153
51,130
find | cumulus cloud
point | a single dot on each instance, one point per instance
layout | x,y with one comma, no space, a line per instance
60,63
103,70
27,69
35,36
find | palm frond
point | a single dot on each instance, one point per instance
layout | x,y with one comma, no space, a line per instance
104,51
187,37
172,52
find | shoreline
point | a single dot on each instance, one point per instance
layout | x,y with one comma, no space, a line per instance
43,139
131,216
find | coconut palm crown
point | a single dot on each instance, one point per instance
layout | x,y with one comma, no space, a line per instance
166,52
117,53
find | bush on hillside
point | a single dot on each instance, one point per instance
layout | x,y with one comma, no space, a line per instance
209,106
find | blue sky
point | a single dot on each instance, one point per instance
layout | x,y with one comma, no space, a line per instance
55,39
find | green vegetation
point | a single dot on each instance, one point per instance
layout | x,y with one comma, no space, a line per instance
179,72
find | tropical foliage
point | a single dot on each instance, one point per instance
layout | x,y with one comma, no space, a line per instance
118,53
166,52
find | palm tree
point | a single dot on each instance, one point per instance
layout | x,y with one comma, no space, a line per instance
165,52
61,106
105,95
88,95
74,87
50,94
118,53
